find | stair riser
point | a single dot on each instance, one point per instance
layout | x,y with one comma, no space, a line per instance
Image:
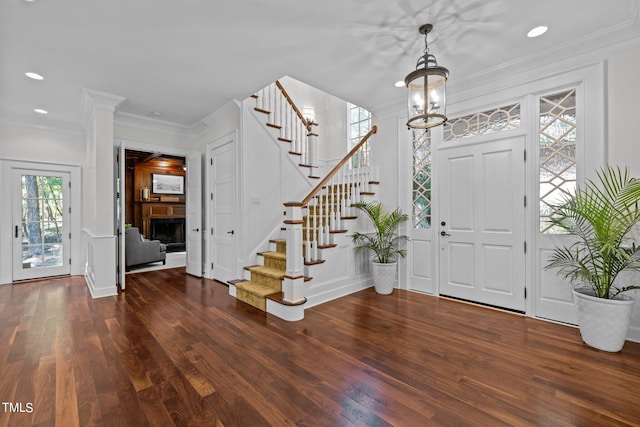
279,264
275,284
251,299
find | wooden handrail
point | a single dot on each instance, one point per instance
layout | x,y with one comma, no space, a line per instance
295,108
339,166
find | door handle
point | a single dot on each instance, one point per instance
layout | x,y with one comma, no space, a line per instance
16,231
196,230
444,233
230,232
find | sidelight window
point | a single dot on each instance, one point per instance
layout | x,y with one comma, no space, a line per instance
557,152
421,214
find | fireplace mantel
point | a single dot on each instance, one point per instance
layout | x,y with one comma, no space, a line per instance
152,209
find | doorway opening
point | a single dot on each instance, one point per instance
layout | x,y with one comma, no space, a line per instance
155,204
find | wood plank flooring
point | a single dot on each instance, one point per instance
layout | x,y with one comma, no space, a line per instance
177,350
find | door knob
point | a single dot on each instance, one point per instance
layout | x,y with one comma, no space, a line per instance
444,233
230,232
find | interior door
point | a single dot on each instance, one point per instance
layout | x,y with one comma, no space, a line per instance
482,228
41,228
194,215
223,208
121,164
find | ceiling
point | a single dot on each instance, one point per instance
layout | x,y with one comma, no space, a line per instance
186,58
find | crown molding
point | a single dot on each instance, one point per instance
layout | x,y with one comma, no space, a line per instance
91,98
157,125
27,121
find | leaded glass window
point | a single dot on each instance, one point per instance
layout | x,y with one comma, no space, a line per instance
359,126
421,179
557,152
491,121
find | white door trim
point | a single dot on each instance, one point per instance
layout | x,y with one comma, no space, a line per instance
174,151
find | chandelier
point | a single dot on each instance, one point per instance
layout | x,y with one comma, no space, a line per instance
426,89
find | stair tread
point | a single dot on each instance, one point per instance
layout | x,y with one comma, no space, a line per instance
271,254
267,271
256,288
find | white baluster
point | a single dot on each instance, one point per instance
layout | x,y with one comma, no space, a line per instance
307,252
320,214
303,132
314,240
277,106
260,99
332,204
358,188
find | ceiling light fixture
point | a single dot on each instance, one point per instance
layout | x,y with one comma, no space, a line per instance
40,111
399,83
34,76
426,96
537,31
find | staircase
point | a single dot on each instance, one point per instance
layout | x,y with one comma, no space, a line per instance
278,285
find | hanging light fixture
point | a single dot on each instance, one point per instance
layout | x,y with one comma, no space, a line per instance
427,89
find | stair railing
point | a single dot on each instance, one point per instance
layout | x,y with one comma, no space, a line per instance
311,223
284,115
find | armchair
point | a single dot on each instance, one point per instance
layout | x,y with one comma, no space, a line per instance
139,251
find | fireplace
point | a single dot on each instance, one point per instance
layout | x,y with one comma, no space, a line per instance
169,231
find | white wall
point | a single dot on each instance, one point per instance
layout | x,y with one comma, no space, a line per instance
384,156
221,122
23,142
623,95
331,115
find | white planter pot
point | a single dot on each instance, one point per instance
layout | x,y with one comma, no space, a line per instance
384,276
604,323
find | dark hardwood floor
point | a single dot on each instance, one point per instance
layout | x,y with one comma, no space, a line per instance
178,350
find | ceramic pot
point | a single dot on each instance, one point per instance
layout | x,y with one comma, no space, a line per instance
384,276
603,323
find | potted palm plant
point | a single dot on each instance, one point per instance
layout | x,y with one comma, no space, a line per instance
602,216
384,242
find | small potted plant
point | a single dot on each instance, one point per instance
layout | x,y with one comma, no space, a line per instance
384,242
602,217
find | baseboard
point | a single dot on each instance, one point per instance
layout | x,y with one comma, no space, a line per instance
336,289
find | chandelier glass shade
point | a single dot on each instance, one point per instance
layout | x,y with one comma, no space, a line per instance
426,96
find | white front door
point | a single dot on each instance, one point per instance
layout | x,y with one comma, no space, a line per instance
482,222
194,215
41,227
223,208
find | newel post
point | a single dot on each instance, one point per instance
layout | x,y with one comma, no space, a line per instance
293,283
312,143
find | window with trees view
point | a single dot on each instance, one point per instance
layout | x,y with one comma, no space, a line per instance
42,227
359,126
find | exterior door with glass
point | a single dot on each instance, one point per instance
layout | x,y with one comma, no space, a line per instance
41,232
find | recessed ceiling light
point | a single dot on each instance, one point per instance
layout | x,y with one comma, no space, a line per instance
34,76
156,113
399,83
537,31
40,111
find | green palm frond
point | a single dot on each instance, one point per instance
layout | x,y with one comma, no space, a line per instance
384,242
602,215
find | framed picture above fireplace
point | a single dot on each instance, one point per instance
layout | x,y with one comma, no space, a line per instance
167,184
